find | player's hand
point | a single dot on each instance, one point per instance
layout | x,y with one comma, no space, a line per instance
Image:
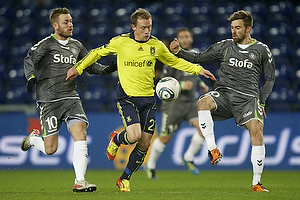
30,84
112,67
263,110
174,46
203,87
72,73
188,85
207,74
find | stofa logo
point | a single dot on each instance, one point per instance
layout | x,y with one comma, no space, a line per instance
58,58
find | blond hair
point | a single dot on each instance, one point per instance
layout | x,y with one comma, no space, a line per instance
56,13
139,13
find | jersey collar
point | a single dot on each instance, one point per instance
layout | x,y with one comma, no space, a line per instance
254,41
131,35
56,37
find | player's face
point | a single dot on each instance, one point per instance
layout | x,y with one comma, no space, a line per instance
185,40
239,31
64,27
142,30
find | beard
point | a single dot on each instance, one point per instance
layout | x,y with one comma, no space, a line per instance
64,33
239,40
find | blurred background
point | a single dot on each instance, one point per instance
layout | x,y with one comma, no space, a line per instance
24,22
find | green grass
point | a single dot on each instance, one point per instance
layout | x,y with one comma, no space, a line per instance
210,185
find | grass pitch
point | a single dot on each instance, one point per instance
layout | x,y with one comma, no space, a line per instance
210,185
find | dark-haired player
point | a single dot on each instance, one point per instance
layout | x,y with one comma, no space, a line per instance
236,94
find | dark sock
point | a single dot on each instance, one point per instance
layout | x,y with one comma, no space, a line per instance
136,159
121,138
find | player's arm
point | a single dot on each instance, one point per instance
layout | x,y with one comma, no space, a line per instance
97,68
90,58
33,57
212,54
203,87
268,65
169,59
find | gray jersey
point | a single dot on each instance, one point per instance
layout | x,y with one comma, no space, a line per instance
240,68
49,61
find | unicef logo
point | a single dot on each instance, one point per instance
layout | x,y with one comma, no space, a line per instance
149,63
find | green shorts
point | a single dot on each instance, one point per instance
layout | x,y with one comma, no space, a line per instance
52,114
230,103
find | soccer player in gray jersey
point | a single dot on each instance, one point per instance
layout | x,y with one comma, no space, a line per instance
186,110
236,94
46,65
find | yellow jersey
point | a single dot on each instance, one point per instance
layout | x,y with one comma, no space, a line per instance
136,62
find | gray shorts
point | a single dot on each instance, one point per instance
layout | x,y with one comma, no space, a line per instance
174,113
52,114
230,103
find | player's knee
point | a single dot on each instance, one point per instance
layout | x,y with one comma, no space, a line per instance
256,138
82,136
79,136
200,103
205,103
134,136
165,139
50,150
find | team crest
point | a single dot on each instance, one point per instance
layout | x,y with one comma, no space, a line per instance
74,51
252,56
152,51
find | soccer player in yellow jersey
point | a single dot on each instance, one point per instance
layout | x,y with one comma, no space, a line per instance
136,52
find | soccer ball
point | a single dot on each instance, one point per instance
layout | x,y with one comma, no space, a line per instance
168,89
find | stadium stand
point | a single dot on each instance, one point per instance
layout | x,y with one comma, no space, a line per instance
25,22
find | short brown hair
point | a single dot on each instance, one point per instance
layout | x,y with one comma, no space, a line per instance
184,29
56,13
246,16
139,13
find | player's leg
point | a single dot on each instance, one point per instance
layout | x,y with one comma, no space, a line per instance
193,148
76,122
129,135
80,155
48,144
157,147
136,159
169,124
146,115
137,156
48,141
132,132
195,144
51,144
255,128
80,150
33,139
205,105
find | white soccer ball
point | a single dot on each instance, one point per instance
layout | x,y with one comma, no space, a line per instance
168,89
